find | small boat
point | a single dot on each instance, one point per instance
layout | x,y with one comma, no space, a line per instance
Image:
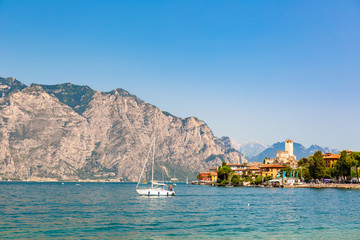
156,188
174,179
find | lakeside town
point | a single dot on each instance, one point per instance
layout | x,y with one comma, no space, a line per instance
321,170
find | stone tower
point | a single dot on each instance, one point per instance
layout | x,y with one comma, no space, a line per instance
289,147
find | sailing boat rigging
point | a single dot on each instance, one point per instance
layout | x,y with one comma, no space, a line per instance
174,179
156,189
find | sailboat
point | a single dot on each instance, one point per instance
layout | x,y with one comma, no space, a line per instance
174,179
156,188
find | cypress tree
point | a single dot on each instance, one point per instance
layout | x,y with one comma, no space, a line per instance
343,168
318,166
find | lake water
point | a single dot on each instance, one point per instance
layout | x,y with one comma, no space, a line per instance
115,211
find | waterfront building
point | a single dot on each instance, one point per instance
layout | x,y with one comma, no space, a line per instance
239,168
205,176
213,173
208,176
234,166
213,176
330,158
244,169
271,170
254,170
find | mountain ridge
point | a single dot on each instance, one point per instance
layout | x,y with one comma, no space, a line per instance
252,148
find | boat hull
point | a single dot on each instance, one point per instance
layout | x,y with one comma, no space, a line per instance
155,192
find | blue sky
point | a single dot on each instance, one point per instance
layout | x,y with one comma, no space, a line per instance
252,70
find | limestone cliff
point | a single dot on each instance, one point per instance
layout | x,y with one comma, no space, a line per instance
72,132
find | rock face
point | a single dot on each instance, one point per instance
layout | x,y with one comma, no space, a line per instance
72,132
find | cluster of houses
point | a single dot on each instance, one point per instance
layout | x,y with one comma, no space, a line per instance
270,167
241,169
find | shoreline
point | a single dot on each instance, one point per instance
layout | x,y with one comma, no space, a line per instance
317,186
326,185
65,181
308,185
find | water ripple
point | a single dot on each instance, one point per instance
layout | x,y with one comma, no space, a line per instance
114,211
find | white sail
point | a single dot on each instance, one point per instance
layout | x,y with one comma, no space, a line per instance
156,189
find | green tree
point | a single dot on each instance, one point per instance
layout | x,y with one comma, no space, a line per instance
328,172
354,161
247,179
317,166
305,172
288,170
303,169
343,166
258,180
235,179
224,173
303,162
224,182
357,157
267,178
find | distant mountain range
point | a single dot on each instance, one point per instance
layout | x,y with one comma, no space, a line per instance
250,148
299,151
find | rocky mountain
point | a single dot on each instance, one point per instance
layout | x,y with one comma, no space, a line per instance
299,151
313,148
252,148
9,85
70,132
235,144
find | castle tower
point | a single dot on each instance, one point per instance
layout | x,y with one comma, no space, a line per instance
289,147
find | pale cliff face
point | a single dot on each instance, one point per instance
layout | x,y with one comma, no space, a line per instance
46,133
41,136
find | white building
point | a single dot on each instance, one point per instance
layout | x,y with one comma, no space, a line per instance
285,157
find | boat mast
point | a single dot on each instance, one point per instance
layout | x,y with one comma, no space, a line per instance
152,170
147,158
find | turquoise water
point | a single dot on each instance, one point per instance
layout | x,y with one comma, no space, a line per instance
115,211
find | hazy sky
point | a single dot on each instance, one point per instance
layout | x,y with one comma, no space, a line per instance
252,70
